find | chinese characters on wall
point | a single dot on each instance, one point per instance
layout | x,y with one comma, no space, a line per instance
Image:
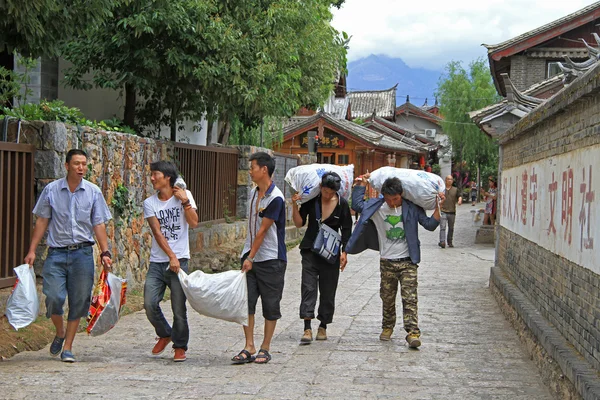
553,203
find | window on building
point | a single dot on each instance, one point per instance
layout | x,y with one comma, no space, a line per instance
553,69
343,159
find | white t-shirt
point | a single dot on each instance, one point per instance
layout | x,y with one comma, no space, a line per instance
390,232
173,225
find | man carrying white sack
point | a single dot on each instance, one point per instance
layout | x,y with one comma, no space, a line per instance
389,224
72,209
170,213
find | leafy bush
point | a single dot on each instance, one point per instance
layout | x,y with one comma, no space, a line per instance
57,111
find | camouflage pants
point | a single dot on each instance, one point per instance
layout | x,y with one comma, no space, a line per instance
406,273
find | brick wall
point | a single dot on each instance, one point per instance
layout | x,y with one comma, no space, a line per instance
526,71
564,292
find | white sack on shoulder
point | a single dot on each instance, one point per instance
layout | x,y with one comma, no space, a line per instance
23,305
305,179
419,187
222,296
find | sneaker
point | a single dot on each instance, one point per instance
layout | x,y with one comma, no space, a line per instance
67,356
386,334
56,346
321,334
413,341
307,337
442,245
160,346
179,355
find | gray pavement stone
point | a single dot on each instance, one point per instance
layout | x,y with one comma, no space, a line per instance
469,351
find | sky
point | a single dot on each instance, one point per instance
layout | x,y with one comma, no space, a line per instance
429,34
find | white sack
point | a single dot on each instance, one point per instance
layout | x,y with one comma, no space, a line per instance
110,314
222,296
23,306
305,179
419,187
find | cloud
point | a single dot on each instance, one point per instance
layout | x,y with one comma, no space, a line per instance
429,34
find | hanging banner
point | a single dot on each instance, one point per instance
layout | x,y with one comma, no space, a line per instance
553,203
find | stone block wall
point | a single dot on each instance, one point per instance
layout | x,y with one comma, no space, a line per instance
562,284
114,160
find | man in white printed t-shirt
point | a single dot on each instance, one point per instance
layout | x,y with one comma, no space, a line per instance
170,213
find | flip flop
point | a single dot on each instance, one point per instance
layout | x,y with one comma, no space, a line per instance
238,359
262,355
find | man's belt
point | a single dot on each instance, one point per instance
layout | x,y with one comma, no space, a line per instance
401,259
449,212
74,246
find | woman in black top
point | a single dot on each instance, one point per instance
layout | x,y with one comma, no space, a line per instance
318,275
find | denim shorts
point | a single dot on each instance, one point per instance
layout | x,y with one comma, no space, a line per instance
68,274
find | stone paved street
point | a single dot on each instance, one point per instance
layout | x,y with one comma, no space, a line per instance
469,351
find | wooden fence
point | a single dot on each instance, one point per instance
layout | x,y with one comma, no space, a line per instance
211,176
16,204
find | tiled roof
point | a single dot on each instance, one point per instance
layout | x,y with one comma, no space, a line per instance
398,136
381,102
561,21
414,135
337,107
374,138
418,111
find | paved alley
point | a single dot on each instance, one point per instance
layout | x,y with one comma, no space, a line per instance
469,351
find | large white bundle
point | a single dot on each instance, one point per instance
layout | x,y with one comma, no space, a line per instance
305,179
23,306
420,187
223,295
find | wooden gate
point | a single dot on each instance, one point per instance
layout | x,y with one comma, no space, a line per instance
16,204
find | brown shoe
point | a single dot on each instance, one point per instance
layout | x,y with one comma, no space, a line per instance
442,245
450,245
386,334
160,346
413,341
179,355
307,337
321,334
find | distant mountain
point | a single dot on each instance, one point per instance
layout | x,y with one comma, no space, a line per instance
377,72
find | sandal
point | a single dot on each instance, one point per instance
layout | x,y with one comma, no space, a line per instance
243,357
262,355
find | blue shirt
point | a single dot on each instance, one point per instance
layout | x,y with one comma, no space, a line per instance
271,206
72,215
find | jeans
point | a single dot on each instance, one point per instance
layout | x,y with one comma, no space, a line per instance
447,219
68,273
157,280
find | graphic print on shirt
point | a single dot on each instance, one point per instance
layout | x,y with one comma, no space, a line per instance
394,233
170,222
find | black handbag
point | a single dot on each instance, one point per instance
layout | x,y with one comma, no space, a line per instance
328,241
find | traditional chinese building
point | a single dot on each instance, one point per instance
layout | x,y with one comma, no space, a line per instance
345,142
547,273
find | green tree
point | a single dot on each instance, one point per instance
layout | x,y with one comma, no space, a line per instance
459,92
39,27
241,60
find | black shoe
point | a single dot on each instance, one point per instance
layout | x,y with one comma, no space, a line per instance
442,245
450,245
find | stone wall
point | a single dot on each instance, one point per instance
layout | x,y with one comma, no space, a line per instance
545,246
115,160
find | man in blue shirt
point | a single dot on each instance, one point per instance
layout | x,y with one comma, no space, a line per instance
389,224
72,209
264,257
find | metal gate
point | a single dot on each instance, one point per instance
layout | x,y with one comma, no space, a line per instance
16,204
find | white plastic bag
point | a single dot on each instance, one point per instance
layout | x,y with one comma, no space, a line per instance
109,296
23,306
222,296
419,187
305,179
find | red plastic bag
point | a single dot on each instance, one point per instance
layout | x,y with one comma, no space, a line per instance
108,297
